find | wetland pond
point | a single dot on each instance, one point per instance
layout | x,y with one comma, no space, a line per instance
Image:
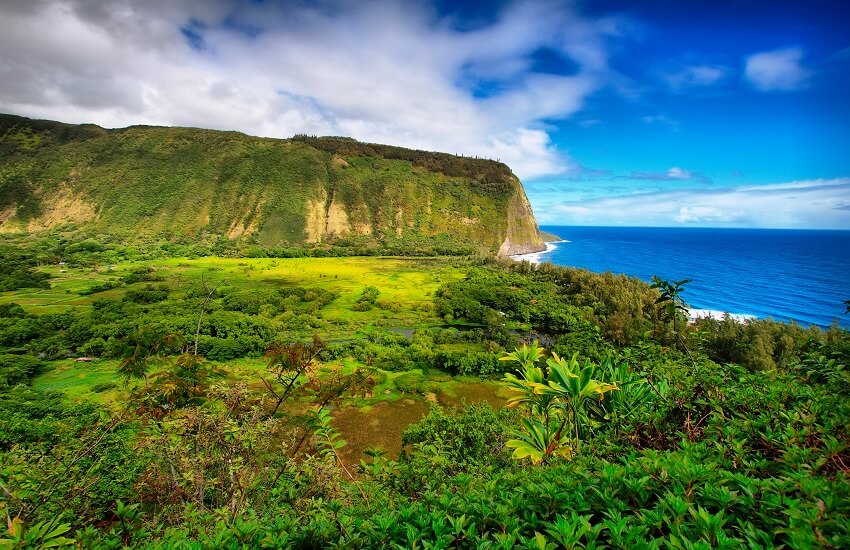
381,424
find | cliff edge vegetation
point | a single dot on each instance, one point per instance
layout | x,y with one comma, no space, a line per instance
186,184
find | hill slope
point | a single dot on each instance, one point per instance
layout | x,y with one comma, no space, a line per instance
182,183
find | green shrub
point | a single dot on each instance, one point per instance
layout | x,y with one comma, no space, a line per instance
412,382
103,386
17,369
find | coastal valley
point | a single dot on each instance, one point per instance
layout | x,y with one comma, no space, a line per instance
210,340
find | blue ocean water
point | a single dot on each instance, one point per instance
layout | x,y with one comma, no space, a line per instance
800,275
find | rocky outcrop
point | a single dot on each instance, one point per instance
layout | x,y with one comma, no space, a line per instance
523,235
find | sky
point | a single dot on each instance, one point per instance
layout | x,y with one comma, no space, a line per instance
722,113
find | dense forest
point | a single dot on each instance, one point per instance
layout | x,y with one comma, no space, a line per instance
165,396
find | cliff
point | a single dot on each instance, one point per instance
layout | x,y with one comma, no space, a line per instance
183,183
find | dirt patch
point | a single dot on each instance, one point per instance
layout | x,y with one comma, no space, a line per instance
61,208
249,221
472,393
316,218
7,213
381,425
337,220
399,222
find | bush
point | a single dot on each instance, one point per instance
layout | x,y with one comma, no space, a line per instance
141,274
95,347
475,363
226,349
474,437
147,295
103,386
367,299
17,369
102,287
412,382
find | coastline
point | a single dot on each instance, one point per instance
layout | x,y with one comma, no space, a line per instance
697,313
693,313
535,257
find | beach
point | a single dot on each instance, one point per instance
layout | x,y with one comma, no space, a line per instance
537,257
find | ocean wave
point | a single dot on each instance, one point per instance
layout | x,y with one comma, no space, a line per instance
537,257
694,314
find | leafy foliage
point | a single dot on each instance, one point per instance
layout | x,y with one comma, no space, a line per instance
671,298
18,270
557,397
738,438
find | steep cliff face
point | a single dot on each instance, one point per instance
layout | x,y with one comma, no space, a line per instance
523,235
183,183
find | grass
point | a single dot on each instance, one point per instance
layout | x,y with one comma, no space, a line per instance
406,285
76,380
405,299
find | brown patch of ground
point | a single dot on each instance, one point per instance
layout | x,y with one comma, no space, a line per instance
316,218
380,425
61,208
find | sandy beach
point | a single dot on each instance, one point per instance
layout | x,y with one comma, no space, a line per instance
537,257
694,314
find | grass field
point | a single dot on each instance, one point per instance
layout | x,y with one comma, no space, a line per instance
406,285
404,304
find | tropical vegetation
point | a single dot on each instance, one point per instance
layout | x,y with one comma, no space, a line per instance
164,397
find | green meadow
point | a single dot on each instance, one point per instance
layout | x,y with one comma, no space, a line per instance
405,303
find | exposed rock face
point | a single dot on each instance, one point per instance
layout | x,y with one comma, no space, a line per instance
523,235
182,183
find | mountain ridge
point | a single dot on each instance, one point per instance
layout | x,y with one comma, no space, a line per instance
182,183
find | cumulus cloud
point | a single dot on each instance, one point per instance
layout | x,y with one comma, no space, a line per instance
383,71
778,70
818,203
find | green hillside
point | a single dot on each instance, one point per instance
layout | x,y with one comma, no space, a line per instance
182,184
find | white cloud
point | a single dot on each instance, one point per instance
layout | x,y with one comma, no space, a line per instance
819,203
778,70
672,174
375,70
695,76
677,173
703,214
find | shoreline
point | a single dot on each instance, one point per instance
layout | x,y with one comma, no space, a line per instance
535,257
698,313
693,313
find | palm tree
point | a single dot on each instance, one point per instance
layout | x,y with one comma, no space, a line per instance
671,297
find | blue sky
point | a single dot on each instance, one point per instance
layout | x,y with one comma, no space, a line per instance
660,113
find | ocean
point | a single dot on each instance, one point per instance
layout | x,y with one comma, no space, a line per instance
799,275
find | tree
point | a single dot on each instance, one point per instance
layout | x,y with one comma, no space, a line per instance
139,352
671,298
287,362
